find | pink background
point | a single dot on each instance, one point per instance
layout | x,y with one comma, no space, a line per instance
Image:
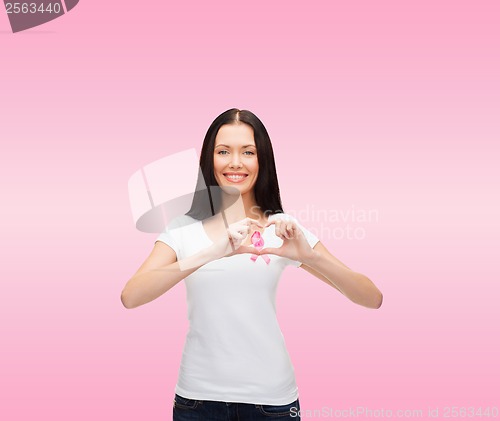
390,106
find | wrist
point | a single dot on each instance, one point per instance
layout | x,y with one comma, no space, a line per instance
222,248
311,258
211,253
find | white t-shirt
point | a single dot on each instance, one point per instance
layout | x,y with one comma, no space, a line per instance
234,350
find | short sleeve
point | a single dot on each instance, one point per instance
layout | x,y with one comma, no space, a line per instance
169,237
310,237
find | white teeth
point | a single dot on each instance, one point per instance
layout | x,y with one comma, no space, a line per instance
235,177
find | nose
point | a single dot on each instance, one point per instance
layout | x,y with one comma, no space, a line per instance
235,161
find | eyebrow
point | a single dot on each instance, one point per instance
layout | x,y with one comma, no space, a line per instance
245,146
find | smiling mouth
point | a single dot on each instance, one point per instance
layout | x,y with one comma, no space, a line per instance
235,178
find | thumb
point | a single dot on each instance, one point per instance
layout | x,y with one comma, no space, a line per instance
270,250
247,249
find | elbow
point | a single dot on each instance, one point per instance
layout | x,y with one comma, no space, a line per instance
373,302
378,300
126,300
371,297
376,297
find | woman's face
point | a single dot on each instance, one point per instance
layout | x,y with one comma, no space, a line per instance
235,154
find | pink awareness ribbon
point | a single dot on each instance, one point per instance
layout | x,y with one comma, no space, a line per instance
258,243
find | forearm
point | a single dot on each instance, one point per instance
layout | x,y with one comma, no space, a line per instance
147,286
355,286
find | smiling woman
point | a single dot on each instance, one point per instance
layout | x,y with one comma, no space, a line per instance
235,365
235,159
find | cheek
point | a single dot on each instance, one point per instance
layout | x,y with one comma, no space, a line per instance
253,166
218,164
256,169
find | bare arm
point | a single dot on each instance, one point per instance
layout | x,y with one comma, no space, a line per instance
160,272
355,286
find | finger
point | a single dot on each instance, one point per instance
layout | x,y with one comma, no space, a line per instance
281,230
276,222
254,221
237,235
245,229
289,230
284,231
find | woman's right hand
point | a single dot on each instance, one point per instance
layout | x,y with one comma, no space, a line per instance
231,244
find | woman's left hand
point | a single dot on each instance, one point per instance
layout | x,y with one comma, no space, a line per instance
295,245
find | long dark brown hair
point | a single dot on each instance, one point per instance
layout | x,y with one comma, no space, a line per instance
207,202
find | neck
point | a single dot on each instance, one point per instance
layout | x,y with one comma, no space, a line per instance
244,207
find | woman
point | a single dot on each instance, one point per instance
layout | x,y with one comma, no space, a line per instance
235,365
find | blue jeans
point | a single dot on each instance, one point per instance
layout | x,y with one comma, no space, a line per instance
198,410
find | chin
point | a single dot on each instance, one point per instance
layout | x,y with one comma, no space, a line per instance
230,189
